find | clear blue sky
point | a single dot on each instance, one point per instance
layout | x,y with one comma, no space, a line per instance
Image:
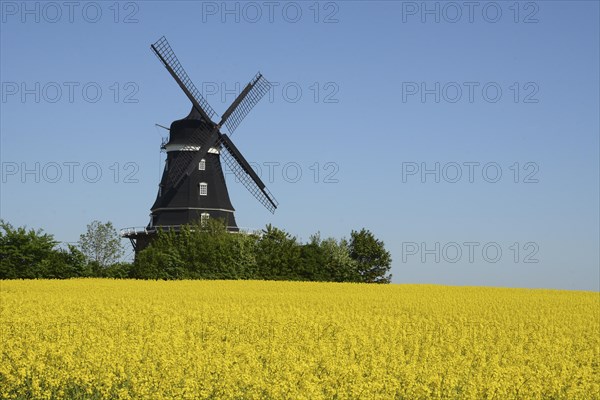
378,67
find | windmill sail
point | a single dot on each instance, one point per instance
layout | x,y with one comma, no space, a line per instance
245,101
193,186
244,172
202,135
163,51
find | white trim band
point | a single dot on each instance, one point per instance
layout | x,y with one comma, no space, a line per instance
188,147
190,208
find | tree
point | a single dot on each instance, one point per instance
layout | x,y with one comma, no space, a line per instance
338,263
278,255
31,254
101,244
22,251
198,251
373,260
312,261
64,264
162,259
208,251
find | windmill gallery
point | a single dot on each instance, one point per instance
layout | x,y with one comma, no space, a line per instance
193,186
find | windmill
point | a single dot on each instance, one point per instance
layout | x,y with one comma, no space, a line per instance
193,186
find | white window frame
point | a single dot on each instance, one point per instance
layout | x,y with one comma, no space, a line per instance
204,217
202,165
203,189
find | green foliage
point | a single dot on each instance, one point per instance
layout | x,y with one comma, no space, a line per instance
208,251
31,254
120,270
373,260
278,255
197,251
161,260
62,264
23,252
338,263
101,244
312,261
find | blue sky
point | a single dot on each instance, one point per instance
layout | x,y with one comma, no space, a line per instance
367,96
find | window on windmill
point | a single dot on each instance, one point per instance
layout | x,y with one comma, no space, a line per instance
204,218
202,165
166,165
203,189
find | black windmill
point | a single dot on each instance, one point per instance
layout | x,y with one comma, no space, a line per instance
193,186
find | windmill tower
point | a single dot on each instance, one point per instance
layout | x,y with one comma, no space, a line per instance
193,186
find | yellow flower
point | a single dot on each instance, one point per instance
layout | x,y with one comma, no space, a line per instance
119,339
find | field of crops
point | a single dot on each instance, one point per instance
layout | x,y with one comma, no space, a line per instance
281,340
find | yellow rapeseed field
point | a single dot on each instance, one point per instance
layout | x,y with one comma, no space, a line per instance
111,339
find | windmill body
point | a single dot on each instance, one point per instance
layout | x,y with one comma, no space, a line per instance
192,188
203,193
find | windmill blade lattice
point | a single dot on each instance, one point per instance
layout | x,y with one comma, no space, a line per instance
246,175
246,100
165,54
